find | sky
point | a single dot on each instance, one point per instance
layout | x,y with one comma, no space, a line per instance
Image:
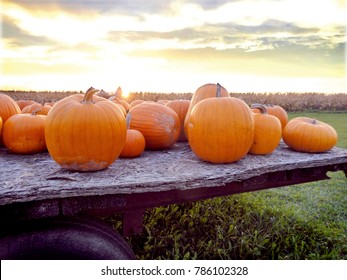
174,45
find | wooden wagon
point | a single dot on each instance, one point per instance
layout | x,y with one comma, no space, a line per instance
45,210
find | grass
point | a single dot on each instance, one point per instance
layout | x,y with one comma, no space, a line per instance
307,221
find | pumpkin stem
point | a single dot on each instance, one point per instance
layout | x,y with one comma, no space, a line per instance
128,119
34,112
260,107
218,93
314,121
88,96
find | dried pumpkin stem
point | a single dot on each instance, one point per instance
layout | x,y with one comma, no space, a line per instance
88,96
34,112
314,121
218,93
128,119
260,107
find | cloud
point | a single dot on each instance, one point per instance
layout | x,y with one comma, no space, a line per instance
17,37
258,37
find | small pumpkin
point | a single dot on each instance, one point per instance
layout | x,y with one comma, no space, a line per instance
158,123
134,143
278,112
267,133
44,109
24,133
8,107
23,103
309,135
85,132
203,92
180,106
221,129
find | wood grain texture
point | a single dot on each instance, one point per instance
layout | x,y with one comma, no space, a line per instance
38,177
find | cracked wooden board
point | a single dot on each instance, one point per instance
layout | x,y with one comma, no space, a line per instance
38,177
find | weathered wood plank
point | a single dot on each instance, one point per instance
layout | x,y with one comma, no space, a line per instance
38,177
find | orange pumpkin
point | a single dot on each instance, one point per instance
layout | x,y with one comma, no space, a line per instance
24,133
278,112
134,143
23,103
203,92
117,101
309,135
85,132
181,107
267,133
125,104
134,103
51,103
44,109
0,126
158,123
221,129
8,107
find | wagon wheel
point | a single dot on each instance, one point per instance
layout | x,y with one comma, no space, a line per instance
63,238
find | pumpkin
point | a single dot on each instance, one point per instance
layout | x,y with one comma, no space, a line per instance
134,143
134,103
267,133
24,133
221,129
181,107
85,132
158,123
8,107
23,103
278,112
125,104
0,126
51,103
309,135
44,109
203,92
117,101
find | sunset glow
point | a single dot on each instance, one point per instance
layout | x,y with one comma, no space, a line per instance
174,46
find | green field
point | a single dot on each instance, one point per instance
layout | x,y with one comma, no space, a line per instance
307,221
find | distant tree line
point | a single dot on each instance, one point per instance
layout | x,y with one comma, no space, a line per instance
291,101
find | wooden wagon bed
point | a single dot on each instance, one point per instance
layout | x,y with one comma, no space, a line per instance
34,186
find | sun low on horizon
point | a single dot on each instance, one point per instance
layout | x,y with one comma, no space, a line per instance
174,46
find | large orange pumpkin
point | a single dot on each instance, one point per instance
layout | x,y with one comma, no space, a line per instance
24,133
221,129
268,132
309,135
134,143
8,107
158,123
85,132
180,106
203,92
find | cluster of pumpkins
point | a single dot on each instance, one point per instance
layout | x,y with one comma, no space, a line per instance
88,132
